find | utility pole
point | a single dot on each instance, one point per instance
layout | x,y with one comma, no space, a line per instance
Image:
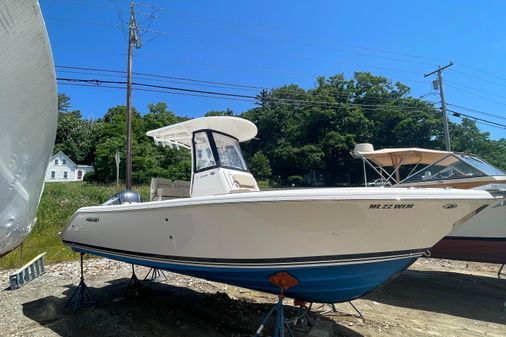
134,40
439,82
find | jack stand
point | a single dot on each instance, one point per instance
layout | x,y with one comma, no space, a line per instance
331,310
302,322
499,273
283,281
155,274
334,310
82,295
358,311
134,283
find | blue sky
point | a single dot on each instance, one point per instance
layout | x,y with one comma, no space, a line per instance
272,43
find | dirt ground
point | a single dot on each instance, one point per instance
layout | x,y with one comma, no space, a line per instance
432,298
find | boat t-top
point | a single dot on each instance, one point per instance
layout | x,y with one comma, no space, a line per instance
482,238
337,243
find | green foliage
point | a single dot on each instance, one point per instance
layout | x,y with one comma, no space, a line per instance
148,160
298,131
259,166
76,137
63,103
295,180
227,112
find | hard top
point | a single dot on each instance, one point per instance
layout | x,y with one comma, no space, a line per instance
180,134
404,156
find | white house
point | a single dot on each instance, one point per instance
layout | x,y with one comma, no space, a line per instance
61,168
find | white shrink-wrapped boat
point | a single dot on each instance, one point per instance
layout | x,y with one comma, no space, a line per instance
28,115
338,243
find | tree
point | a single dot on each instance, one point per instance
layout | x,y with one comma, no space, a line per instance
228,112
75,136
63,103
259,166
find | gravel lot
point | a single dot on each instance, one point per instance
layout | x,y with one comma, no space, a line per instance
432,298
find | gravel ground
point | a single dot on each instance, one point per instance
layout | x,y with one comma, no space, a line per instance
432,298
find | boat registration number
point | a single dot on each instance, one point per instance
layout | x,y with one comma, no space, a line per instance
391,206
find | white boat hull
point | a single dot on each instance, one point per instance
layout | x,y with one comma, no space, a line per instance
482,238
28,115
353,239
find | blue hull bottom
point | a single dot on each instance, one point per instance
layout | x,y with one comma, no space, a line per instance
317,283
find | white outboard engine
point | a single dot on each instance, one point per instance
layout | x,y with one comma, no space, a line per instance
123,197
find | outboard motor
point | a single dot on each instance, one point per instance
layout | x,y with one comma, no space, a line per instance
123,197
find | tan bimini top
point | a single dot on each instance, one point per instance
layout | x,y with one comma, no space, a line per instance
404,156
181,134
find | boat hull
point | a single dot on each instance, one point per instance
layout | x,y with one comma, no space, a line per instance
28,115
338,243
480,239
318,282
476,249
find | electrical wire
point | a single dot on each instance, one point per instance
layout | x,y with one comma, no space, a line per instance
477,111
98,82
459,114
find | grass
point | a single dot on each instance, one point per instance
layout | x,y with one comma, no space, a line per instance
59,201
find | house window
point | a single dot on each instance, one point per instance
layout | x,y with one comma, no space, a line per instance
56,161
52,174
65,175
79,175
64,161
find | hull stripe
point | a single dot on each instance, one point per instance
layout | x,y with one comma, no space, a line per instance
306,260
475,238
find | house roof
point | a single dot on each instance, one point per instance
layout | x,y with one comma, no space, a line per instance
60,153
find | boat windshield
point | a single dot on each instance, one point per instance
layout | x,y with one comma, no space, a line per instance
229,152
451,167
204,158
481,165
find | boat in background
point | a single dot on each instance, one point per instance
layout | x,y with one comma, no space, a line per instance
483,237
28,116
338,243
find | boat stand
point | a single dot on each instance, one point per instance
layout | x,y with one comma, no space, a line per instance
302,322
134,283
334,310
499,273
82,295
155,274
283,281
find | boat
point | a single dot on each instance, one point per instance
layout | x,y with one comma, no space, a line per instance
337,243
483,237
28,116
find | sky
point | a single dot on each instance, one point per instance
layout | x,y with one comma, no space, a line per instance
267,44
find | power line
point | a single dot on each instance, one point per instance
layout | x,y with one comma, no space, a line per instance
477,95
98,82
214,84
166,77
491,123
477,111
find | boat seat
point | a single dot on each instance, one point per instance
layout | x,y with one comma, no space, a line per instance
164,193
163,189
156,183
244,181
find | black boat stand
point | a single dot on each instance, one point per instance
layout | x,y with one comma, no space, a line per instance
155,274
499,273
82,295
